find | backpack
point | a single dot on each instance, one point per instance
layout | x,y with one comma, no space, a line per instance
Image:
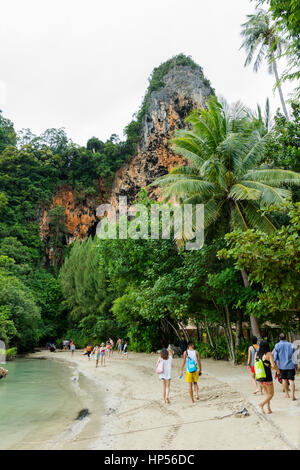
259,369
160,367
190,364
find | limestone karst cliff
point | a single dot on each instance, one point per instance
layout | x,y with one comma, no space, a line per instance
182,89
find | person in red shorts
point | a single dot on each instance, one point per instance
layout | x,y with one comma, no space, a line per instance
251,355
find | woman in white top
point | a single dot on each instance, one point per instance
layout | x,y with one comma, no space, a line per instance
166,374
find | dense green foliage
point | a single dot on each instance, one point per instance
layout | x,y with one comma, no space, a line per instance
244,169
148,290
273,261
32,169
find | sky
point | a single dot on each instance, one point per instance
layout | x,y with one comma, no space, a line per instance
84,65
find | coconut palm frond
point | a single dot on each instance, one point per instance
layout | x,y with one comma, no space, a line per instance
257,220
185,170
255,153
212,211
238,220
241,192
169,179
269,195
232,149
273,177
188,186
192,157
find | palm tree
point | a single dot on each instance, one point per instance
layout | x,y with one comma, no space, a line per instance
261,35
262,122
224,151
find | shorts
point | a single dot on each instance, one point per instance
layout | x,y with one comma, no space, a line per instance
192,377
287,374
88,353
252,370
267,383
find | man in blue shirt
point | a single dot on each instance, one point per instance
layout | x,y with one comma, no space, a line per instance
283,354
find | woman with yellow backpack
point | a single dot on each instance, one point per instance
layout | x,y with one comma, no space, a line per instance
264,362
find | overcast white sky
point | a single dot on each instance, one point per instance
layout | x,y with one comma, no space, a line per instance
84,65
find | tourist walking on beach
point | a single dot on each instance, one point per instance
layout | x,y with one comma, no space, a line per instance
102,354
283,356
72,347
251,357
164,369
108,348
192,359
96,352
88,351
119,346
125,350
111,346
183,344
264,353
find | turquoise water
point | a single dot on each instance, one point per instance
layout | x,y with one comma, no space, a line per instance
39,402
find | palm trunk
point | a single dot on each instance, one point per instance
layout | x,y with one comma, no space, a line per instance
172,326
253,320
229,333
238,329
209,335
280,90
186,335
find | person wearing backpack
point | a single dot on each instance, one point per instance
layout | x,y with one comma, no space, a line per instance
164,369
193,366
264,362
251,355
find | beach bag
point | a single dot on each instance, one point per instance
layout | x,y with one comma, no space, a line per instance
259,369
191,364
160,367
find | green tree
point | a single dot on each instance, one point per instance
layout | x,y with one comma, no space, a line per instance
224,173
7,133
273,261
261,36
286,14
20,316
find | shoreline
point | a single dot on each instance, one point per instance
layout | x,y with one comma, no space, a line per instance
100,440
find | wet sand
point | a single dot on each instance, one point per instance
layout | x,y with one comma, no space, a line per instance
135,416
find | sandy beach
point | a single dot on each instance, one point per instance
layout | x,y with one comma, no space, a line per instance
135,416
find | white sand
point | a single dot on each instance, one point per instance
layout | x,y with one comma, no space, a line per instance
135,416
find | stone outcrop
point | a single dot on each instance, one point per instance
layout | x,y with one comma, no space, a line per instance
80,215
184,89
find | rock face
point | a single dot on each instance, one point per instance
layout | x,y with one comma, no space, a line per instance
80,216
185,89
